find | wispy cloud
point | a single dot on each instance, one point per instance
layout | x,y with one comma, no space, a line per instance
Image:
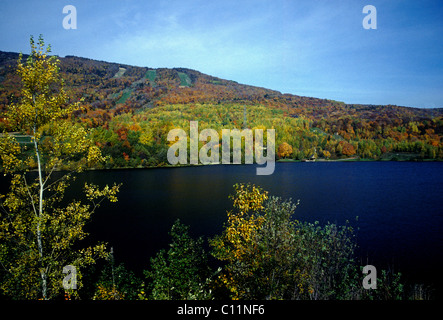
303,47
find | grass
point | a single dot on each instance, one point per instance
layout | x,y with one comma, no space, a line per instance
288,160
218,82
151,75
184,79
120,72
124,97
23,139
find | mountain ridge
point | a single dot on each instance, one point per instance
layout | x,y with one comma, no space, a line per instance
121,100
195,75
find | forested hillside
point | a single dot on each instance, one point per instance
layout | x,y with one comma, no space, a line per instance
131,109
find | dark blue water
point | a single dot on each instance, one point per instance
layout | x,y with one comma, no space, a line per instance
399,207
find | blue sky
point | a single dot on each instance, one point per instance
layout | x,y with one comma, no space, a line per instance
311,48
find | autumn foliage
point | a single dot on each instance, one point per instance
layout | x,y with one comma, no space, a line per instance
119,116
130,112
284,150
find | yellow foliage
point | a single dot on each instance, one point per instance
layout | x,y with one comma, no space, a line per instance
238,242
104,293
35,232
284,150
146,138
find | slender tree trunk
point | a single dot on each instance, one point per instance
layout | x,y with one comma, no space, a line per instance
40,209
40,214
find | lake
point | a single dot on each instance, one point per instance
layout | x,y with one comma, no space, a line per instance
398,204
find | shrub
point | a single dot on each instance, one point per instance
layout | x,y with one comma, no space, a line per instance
181,272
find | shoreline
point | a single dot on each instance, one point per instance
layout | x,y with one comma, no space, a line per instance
355,159
277,161
360,160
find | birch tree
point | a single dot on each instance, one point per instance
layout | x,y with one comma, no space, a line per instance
37,233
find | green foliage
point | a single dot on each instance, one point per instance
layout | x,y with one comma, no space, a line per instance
124,96
117,283
326,254
151,75
389,287
181,272
184,79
